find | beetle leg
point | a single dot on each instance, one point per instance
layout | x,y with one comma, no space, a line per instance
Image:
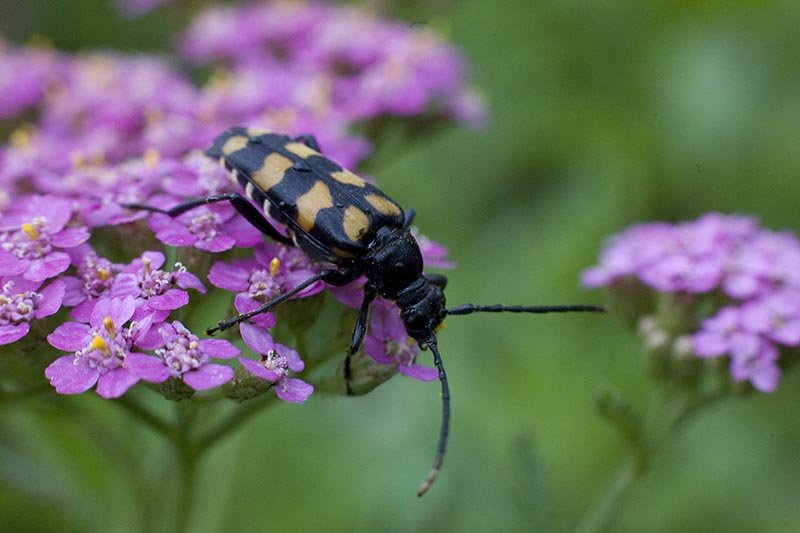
359,331
437,279
333,277
239,202
310,141
409,218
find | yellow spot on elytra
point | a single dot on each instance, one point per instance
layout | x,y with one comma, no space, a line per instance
274,265
108,323
383,204
99,344
257,132
272,171
440,327
103,274
31,231
308,205
345,176
234,144
300,150
151,157
355,223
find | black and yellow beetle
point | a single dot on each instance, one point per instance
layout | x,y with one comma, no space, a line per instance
338,218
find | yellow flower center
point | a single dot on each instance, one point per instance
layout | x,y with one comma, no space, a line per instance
108,323
31,231
274,265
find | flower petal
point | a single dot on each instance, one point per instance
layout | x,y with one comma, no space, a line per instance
69,336
172,299
10,265
258,370
52,297
208,376
293,390
219,348
115,383
230,276
258,339
12,333
49,266
419,372
70,237
70,375
147,367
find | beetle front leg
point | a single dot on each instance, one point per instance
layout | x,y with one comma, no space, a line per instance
359,331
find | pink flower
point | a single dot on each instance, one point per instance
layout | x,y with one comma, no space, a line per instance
183,355
22,301
100,350
33,238
276,362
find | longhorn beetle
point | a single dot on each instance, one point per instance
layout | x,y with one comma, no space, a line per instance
336,217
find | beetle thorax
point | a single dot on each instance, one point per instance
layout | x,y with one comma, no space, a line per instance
394,262
394,266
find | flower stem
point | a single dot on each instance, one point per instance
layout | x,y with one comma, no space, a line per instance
605,508
188,455
141,413
234,421
668,417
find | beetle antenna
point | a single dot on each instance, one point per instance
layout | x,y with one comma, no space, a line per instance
468,309
445,427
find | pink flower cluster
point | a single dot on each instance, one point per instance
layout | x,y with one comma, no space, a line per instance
106,129
754,271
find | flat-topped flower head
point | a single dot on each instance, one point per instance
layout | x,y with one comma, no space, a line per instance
212,228
275,364
273,270
33,238
22,301
744,278
25,76
94,278
185,356
100,350
156,291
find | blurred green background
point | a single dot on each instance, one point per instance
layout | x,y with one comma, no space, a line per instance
602,114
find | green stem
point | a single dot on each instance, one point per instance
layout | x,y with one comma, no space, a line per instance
665,422
140,412
232,422
188,455
605,508
17,395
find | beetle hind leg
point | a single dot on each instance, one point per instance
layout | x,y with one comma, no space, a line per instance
359,331
239,202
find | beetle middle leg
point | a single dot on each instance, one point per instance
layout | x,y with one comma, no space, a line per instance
239,202
359,331
330,276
